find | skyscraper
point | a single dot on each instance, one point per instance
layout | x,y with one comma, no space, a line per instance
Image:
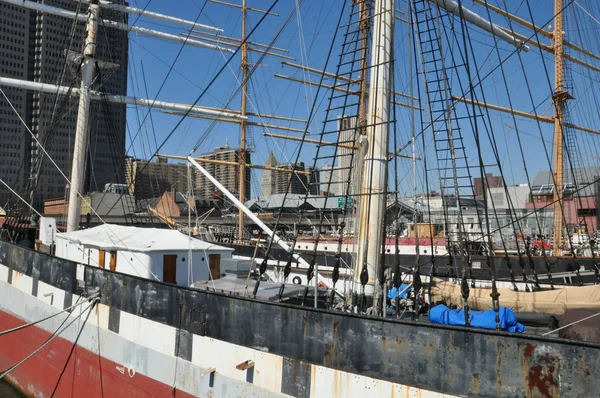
295,181
314,180
268,179
227,175
151,179
347,159
334,179
35,50
14,61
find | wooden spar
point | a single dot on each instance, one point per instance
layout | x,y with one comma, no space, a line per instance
235,164
559,97
259,115
246,8
343,90
220,119
550,49
243,126
149,14
239,41
256,50
310,141
343,78
467,15
284,118
533,27
545,119
328,143
112,24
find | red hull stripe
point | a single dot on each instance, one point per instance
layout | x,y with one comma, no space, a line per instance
87,375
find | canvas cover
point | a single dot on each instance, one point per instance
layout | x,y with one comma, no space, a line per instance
581,324
478,319
556,301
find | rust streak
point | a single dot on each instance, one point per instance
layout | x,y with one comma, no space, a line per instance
529,350
476,383
542,380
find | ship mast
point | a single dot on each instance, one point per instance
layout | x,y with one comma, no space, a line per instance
81,132
559,97
373,189
243,126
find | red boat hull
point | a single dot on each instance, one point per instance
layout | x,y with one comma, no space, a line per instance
87,374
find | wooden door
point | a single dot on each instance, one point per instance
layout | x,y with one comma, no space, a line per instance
214,264
113,260
101,257
170,268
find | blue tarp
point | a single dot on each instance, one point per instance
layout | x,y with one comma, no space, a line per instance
403,289
479,319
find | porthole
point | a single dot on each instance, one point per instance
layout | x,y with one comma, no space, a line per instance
425,251
325,247
182,258
202,259
296,280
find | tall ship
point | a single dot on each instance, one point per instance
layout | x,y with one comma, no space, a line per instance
411,271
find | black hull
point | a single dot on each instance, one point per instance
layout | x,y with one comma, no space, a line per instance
453,360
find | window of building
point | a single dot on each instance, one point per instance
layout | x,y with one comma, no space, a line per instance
586,212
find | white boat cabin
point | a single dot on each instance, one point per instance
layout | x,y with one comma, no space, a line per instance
147,252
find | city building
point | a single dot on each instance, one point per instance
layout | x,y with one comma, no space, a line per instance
491,181
227,175
295,181
580,205
146,179
33,48
331,184
267,182
302,179
14,62
334,179
347,159
313,177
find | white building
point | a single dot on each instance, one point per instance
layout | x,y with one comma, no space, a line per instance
146,252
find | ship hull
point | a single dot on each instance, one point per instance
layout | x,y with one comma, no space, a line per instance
256,348
87,374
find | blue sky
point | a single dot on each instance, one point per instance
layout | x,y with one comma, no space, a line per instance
311,34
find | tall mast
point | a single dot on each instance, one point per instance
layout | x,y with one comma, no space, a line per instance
81,132
364,34
559,97
243,126
373,190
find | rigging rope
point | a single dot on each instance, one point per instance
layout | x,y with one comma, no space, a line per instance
52,337
91,307
2,333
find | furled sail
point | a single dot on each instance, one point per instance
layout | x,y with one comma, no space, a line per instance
556,301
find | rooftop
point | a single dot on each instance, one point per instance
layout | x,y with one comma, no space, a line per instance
111,236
